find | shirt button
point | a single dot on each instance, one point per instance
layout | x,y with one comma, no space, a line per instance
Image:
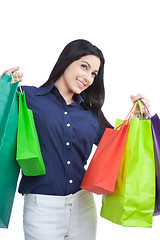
70,181
65,113
67,143
68,162
68,124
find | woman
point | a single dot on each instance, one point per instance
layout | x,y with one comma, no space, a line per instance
69,120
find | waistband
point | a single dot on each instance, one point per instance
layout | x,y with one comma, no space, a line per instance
60,200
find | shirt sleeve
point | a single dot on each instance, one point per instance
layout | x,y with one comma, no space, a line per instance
101,131
99,135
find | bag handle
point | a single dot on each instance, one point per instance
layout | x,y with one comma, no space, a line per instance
17,80
128,117
130,112
147,112
12,77
140,106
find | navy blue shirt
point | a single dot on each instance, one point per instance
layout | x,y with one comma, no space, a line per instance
66,135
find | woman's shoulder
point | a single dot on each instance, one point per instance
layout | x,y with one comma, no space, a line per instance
27,89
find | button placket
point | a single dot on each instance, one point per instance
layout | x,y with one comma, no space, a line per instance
68,150
67,130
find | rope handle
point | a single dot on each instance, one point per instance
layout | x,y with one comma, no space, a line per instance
17,80
128,117
146,113
140,106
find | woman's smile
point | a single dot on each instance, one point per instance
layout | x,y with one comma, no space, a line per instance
78,76
80,83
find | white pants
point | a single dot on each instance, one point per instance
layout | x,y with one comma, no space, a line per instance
71,217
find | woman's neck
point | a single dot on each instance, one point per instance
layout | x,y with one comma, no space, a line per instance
67,95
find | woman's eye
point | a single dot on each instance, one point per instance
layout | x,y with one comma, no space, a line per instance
94,74
84,66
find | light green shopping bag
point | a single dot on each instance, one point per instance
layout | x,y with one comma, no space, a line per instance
132,203
29,155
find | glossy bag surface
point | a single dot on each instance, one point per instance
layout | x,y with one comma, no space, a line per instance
101,175
102,172
132,203
29,155
9,169
155,122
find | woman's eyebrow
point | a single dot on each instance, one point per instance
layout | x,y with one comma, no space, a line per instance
89,65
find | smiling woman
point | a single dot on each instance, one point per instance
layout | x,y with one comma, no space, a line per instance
66,112
69,121
90,58
78,76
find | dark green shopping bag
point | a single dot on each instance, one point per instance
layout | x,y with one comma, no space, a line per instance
133,201
9,169
29,155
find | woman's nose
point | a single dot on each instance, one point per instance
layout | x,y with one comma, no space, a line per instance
88,77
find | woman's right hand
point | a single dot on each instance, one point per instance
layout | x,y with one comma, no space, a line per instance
8,72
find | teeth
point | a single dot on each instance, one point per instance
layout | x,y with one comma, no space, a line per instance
80,83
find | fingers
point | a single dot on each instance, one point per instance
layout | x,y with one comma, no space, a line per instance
142,97
15,69
138,97
17,76
16,80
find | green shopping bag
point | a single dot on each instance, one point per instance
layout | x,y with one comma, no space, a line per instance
29,155
9,169
132,203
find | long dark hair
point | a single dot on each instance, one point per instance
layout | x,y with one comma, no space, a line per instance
95,94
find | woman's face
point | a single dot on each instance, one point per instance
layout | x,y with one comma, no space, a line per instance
80,74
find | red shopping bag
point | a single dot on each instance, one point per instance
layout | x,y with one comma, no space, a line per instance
102,172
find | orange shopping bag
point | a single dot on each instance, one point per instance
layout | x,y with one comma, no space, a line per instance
102,172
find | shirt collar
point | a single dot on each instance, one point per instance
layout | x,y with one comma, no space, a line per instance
78,98
44,90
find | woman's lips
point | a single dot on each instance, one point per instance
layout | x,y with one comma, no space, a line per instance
80,83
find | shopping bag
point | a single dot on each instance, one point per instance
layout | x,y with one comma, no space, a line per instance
101,175
28,155
155,122
133,201
9,169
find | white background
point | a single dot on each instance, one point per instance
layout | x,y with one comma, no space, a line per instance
34,32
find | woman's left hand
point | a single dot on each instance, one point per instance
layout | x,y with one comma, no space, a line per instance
16,77
142,97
